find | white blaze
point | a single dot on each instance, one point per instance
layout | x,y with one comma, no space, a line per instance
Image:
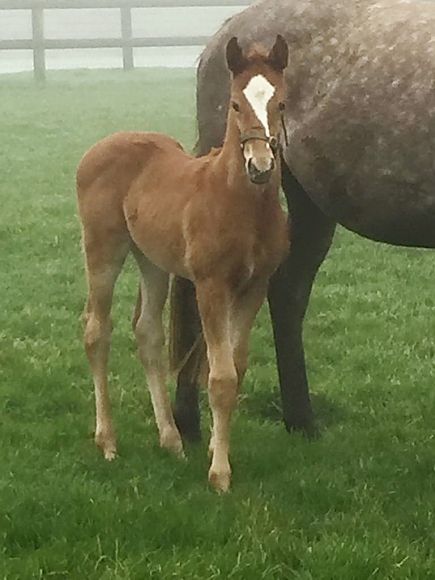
258,93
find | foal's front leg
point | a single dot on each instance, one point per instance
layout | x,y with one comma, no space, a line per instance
243,312
215,301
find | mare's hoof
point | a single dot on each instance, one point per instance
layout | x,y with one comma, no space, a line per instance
220,481
171,440
305,426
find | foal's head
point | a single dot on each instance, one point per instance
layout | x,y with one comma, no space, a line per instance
257,104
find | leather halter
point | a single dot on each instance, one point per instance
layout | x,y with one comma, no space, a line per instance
259,136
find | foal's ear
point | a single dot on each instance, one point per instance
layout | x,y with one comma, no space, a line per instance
235,59
278,56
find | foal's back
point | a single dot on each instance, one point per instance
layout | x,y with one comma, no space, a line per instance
114,163
136,185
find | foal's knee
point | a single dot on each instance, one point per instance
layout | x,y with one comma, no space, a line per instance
97,333
223,389
150,339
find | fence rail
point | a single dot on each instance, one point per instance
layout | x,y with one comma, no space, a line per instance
80,4
39,44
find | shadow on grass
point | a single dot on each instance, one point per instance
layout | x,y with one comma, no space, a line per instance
266,406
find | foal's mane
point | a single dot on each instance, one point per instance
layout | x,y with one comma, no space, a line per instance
257,55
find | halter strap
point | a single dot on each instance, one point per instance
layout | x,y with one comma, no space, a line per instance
273,141
251,135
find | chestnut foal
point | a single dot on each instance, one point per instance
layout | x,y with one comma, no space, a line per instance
215,220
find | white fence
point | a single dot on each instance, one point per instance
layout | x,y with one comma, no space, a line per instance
39,42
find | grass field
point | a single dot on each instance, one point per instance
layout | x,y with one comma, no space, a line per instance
357,503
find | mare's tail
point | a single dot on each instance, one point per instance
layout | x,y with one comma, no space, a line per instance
137,309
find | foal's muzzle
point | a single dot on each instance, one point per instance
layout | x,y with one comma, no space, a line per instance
259,176
260,167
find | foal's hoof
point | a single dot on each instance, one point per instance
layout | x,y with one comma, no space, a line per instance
171,440
107,446
109,454
220,481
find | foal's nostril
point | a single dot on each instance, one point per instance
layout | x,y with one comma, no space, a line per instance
267,165
253,170
259,176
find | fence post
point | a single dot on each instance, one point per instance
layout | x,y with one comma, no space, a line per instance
38,42
127,33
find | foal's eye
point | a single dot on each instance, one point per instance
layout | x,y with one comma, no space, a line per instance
235,106
281,106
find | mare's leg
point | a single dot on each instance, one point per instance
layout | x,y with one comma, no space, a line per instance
150,338
103,265
214,303
311,234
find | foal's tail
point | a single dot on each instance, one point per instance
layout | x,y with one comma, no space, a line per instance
186,343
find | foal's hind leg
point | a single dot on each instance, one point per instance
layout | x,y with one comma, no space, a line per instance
102,272
150,338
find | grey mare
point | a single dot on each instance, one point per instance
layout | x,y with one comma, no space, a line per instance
360,123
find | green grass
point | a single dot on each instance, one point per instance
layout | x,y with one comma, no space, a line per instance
357,503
